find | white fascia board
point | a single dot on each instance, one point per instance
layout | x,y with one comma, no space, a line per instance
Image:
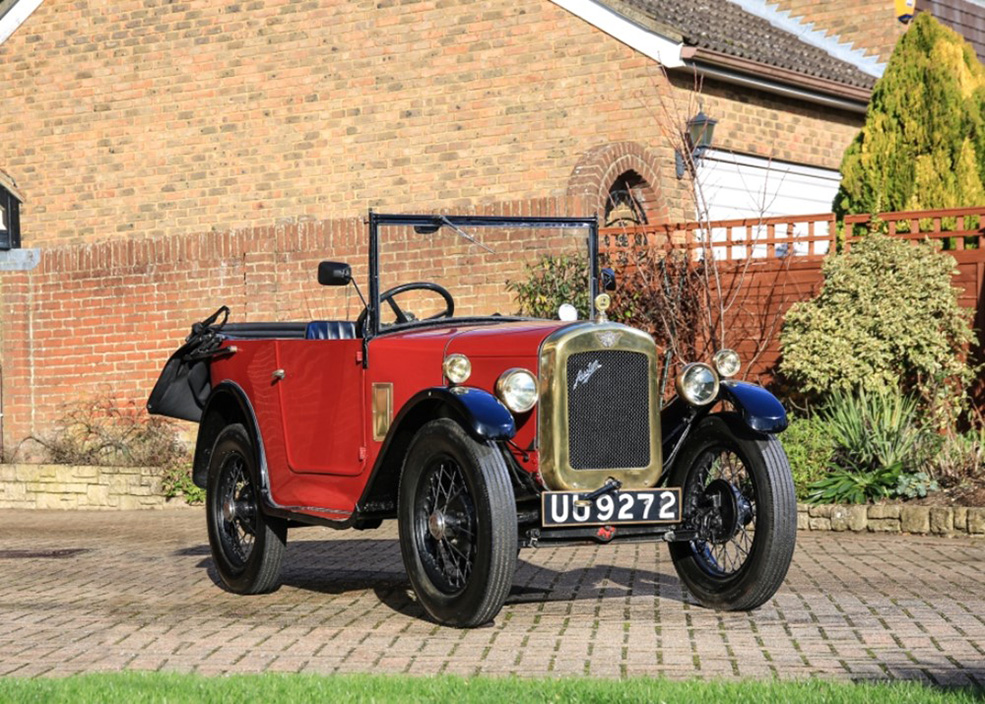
662,50
759,162
15,17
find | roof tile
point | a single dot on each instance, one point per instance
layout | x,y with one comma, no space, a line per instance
723,26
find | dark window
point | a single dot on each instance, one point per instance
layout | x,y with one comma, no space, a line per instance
10,222
625,204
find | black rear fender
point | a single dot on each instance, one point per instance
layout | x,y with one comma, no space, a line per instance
226,404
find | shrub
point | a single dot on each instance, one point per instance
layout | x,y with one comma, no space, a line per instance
872,431
923,142
846,486
665,293
961,457
809,449
915,486
878,449
103,431
551,281
887,317
176,480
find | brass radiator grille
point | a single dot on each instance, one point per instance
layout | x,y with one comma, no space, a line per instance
608,410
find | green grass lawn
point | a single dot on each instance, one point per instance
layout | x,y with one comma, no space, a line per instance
135,688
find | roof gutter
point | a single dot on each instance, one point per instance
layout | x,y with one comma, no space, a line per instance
780,75
768,79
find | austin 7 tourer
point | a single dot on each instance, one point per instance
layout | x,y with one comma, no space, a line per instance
481,431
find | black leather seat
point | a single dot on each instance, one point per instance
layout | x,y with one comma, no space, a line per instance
330,330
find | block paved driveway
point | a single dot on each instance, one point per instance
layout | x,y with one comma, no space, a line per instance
86,592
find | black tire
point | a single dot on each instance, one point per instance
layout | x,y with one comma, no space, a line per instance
458,528
744,563
247,546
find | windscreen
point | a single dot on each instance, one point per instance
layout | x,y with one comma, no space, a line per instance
468,271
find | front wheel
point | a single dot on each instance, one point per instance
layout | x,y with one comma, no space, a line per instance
738,494
247,546
457,520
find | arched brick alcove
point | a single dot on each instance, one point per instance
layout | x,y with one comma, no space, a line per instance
600,168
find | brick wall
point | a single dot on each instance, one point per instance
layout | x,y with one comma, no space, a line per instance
102,318
161,118
777,128
175,156
146,118
869,26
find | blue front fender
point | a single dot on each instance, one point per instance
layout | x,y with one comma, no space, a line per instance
760,409
484,417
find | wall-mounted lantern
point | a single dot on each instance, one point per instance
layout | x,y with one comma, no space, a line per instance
700,131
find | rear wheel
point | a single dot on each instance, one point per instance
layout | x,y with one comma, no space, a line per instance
738,493
457,521
247,546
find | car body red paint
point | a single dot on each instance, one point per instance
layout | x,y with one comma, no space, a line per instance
348,424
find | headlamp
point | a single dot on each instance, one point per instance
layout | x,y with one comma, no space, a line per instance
698,384
517,389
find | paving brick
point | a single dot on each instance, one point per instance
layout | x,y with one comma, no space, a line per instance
143,597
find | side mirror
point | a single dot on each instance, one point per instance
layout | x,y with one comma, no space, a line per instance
334,273
608,279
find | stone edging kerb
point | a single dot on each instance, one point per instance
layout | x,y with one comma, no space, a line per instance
82,488
114,488
893,518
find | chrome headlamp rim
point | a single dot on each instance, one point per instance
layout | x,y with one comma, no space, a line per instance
457,368
727,362
517,401
688,372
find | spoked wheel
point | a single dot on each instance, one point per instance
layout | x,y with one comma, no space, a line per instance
457,520
738,494
444,525
247,546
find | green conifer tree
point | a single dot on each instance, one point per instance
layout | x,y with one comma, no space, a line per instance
923,142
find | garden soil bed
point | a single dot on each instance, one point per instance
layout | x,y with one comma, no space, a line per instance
971,495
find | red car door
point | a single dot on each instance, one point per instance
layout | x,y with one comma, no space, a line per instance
322,398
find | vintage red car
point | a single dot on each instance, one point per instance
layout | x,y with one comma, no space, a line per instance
479,431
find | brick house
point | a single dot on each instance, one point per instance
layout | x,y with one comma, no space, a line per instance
159,158
966,17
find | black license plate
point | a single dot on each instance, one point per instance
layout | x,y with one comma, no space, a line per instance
568,508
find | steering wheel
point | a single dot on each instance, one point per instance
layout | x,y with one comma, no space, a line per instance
389,294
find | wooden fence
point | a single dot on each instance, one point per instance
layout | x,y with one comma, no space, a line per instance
764,265
959,231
